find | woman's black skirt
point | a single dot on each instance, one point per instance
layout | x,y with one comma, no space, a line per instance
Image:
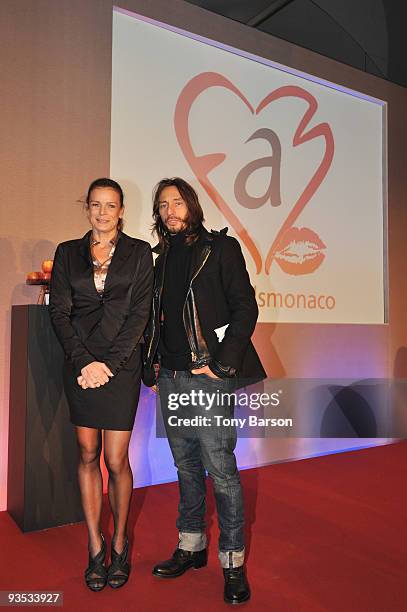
111,406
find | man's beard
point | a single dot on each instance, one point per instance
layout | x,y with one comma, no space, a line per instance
177,229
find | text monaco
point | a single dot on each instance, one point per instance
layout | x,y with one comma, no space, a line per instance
271,299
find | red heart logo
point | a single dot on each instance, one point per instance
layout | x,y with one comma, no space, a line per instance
203,165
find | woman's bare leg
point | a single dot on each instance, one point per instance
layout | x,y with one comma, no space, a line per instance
89,442
120,488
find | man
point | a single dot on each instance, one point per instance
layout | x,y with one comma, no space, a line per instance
204,313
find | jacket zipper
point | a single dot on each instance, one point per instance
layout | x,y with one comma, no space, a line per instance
194,356
152,335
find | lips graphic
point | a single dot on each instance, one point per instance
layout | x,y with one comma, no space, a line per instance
203,165
300,251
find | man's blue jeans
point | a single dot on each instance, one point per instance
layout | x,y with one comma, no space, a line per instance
201,449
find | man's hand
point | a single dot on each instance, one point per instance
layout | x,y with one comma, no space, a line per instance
205,370
95,374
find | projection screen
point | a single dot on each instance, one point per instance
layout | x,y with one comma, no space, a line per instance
294,166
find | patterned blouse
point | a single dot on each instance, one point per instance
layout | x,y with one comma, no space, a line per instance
100,268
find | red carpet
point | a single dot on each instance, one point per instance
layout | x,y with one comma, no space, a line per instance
324,534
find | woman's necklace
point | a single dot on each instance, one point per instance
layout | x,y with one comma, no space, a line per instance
111,245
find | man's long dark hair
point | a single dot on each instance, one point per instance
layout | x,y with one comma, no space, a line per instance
195,213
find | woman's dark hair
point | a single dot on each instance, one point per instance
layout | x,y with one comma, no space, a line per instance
195,213
107,182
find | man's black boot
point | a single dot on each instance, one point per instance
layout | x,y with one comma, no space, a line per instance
180,562
237,589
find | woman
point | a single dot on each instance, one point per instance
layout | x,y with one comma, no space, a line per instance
100,297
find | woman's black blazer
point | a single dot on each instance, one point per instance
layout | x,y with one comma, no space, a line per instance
121,313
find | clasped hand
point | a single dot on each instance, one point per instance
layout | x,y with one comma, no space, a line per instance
94,375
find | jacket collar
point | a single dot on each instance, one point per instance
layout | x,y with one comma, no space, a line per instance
124,244
200,252
124,247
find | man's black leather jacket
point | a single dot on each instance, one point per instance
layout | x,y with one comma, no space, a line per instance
219,294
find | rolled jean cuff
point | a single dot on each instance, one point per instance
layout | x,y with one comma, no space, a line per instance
231,558
192,541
